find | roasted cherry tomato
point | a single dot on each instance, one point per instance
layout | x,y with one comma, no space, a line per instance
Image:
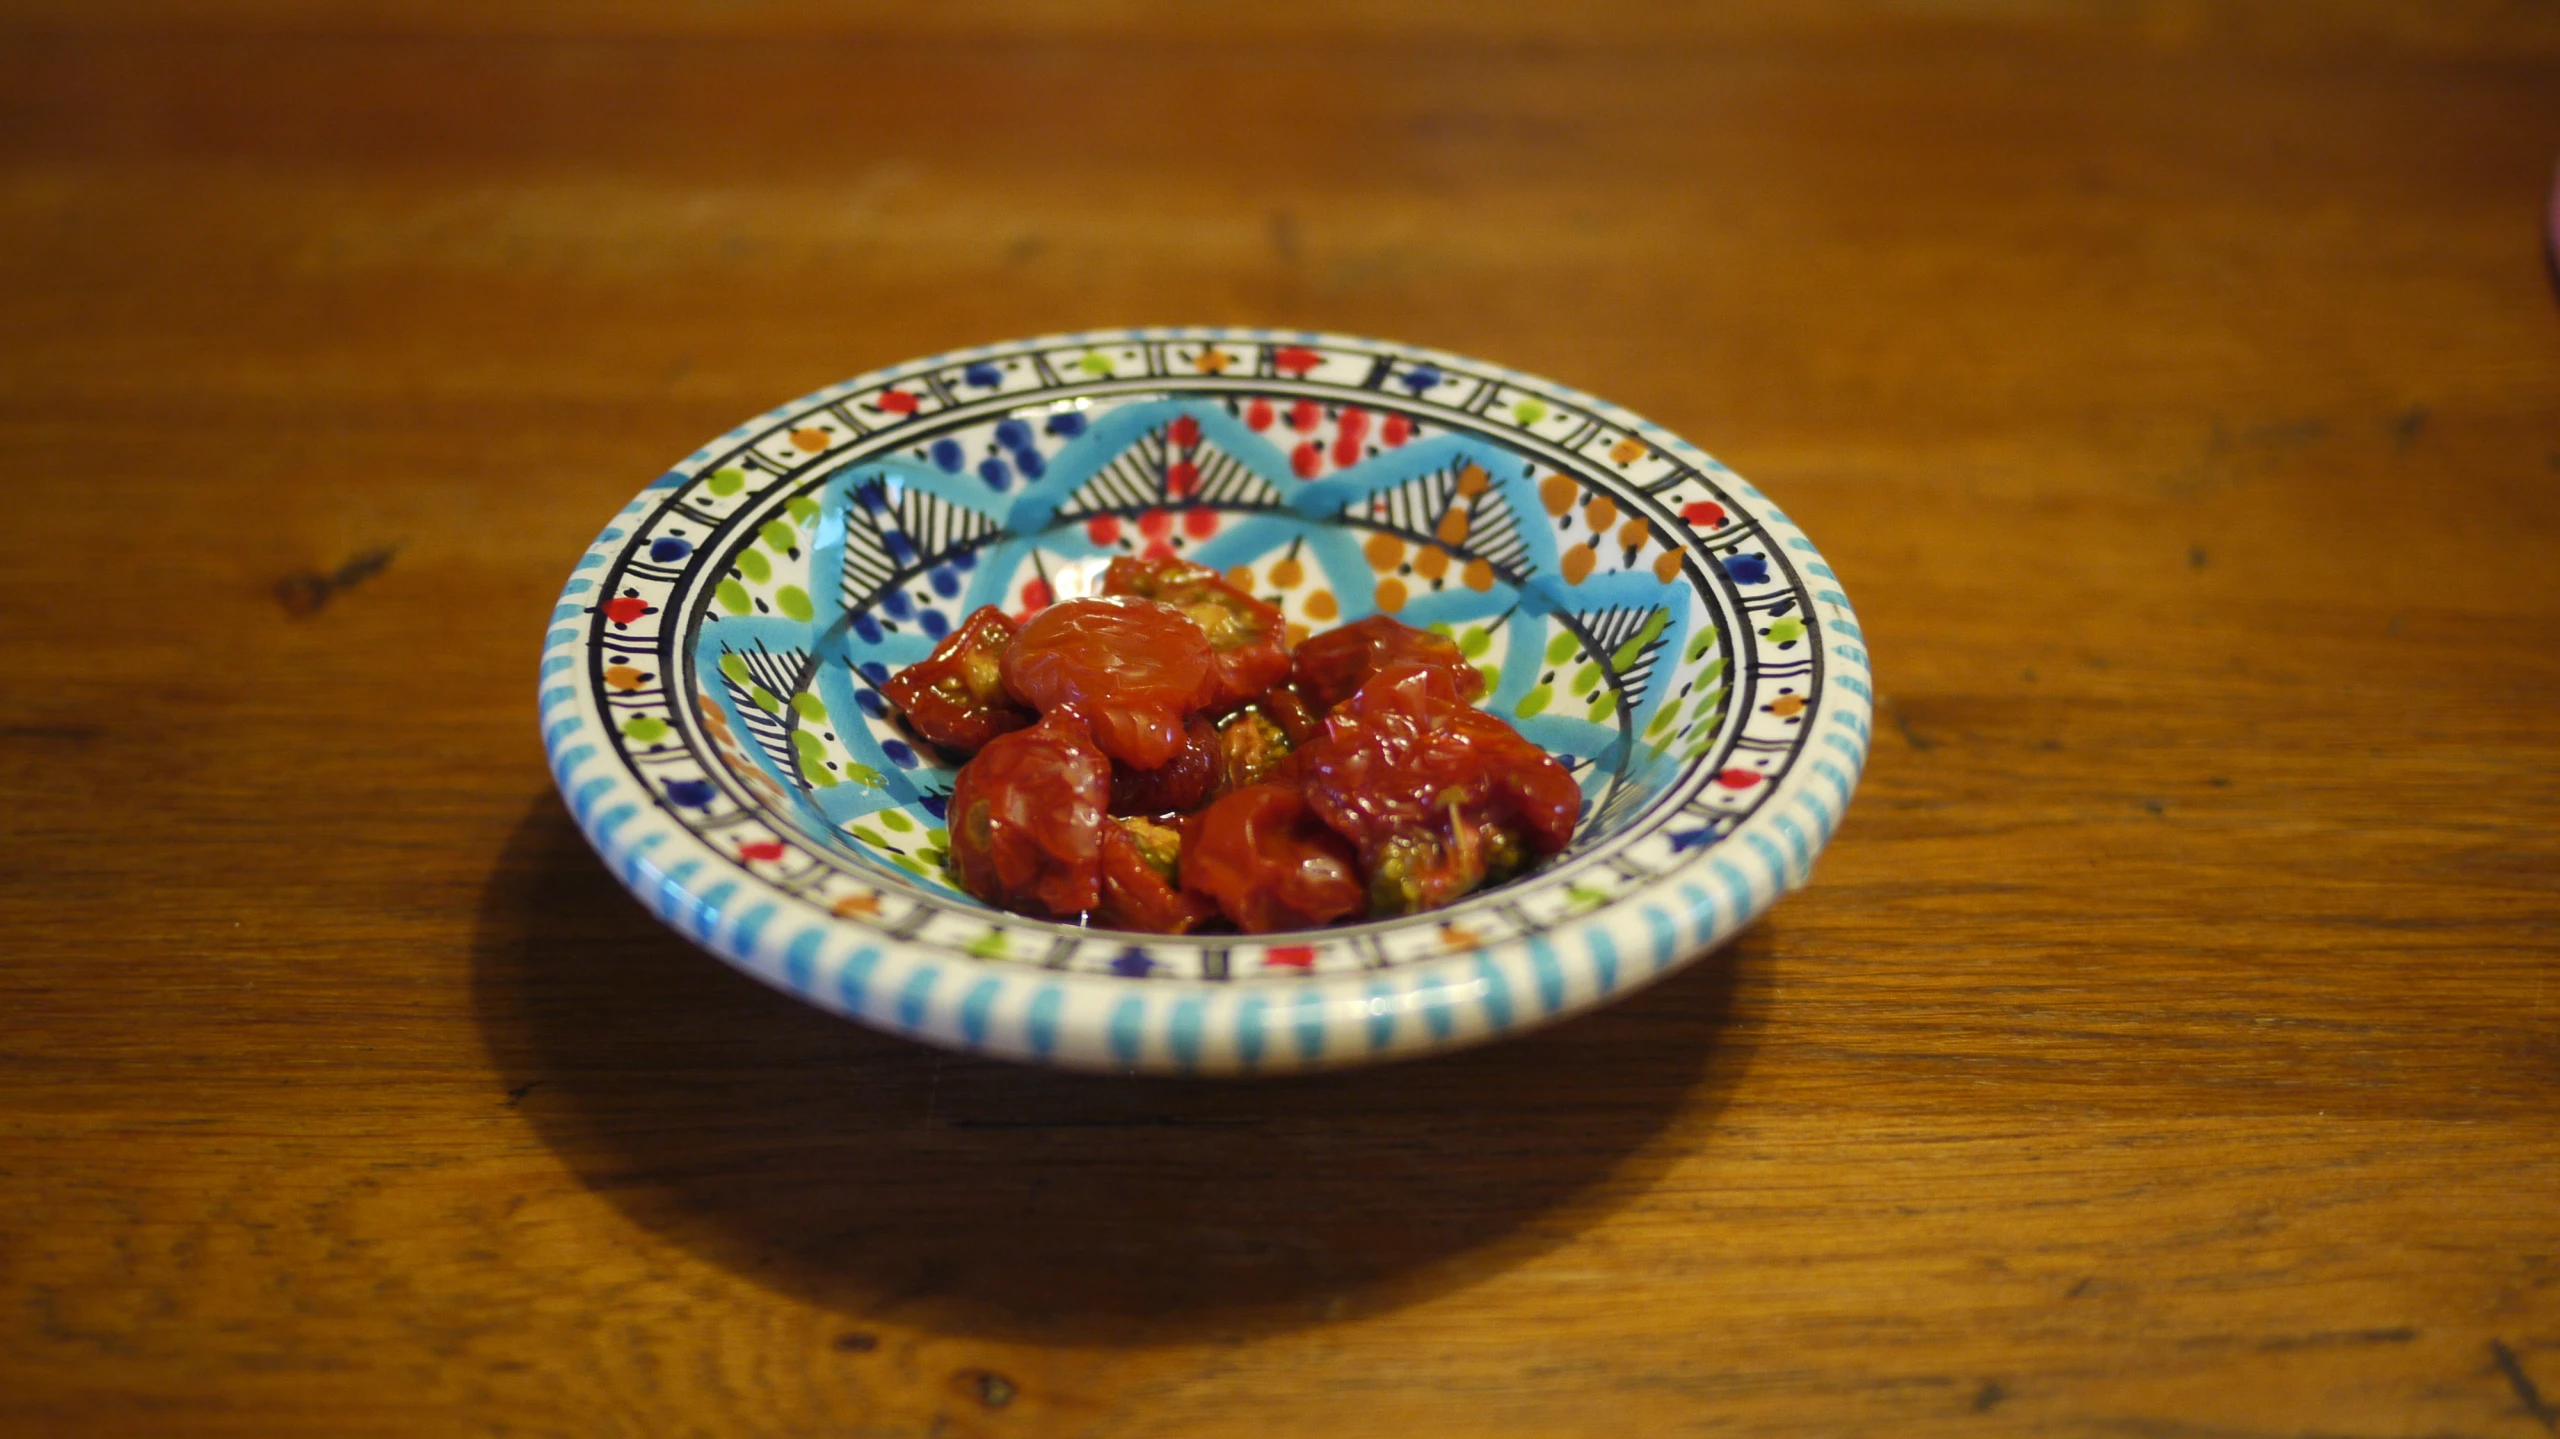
1027,819
955,696
1330,666
1246,635
1289,709
1270,863
1251,748
1134,668
1439,797
1179,785
1139,861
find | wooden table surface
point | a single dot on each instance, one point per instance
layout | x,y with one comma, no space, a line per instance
2169,1045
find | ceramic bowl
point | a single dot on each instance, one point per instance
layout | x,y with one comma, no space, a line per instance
710,703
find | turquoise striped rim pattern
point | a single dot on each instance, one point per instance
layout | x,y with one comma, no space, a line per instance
703,709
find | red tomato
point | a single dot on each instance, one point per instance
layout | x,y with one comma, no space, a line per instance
1439,797
1179,785
1247,636
1270,863
1027,819
1137,894
955,697
1288,708
1134,668
1330,666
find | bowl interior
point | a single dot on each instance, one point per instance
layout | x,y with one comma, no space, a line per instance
1600,618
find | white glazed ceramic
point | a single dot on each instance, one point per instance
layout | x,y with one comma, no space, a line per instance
708,699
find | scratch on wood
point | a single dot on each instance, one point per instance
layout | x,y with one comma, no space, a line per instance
986,1386
305,592
73,733
2326,1340
1989,1395
2522,1383
1909,736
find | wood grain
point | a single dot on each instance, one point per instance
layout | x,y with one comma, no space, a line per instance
2169,1046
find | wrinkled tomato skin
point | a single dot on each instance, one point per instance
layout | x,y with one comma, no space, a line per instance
1329,668
1179,785
1135,897
1269,863
1135,668
1436,795
1026,819
955,697
1247,636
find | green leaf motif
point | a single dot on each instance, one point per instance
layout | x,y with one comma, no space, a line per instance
754,566
896,820
813,759
803,509
645,729
779,535
1624,657
1535,701
1563,647
735,667
726,482
793,601
811,708
733,597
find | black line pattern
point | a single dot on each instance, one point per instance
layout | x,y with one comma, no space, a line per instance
926,526
1133,479
1611,629
1226,480
780,675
